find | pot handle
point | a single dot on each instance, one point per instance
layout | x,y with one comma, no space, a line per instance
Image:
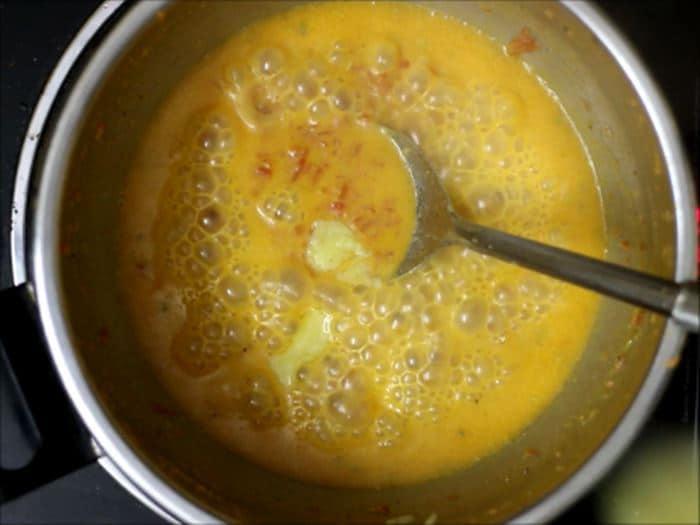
64,443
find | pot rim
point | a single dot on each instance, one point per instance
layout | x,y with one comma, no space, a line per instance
34,254
33,261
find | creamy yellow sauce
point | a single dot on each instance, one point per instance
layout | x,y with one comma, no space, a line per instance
309,357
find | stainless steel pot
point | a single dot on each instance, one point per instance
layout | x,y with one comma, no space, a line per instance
77,153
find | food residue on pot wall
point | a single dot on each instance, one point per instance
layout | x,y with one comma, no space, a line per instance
267,213
521,43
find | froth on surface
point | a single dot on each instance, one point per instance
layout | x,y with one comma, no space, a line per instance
277,130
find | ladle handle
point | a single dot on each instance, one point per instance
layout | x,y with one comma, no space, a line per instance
679,301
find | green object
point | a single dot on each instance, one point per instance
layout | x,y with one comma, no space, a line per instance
657,483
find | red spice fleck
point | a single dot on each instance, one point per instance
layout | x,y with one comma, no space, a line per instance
619,362
672,362
638,318
162,410
382,81
363,224
264,170
318,172
521,43
76,196
382,509
64,248
344,189
532,452
102,335
337,206
403,63
301,156
299,229
625,244
99,131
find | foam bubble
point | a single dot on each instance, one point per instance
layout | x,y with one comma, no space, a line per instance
382,57
183,249
389,340
418,80
430,318
203,181
342,100
471,314
496,143
211,219
208,252
486,202
215,137
348,409
440,96
496,321
194,269
533,287
414,359
354,338
269,61
233,290
318,110
398,322
378,332
505,293
305,85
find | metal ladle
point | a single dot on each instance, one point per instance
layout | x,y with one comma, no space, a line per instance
437,225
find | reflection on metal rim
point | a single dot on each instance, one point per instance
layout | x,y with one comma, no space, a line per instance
37,262
683,195
18,220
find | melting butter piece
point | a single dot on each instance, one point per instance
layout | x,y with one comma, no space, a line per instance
308,342
358,271
331,245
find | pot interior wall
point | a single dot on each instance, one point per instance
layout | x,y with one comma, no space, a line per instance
640,223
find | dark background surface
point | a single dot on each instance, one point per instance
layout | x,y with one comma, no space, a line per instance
33,35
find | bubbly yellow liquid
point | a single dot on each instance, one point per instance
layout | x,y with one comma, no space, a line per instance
417,376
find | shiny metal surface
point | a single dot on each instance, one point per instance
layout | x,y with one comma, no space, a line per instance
686,307
189,494
433,221
637,288
20,198
437,225
685,269
153,492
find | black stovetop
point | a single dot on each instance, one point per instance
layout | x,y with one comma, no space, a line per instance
34,34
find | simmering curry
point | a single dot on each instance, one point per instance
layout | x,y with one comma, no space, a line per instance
265,216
